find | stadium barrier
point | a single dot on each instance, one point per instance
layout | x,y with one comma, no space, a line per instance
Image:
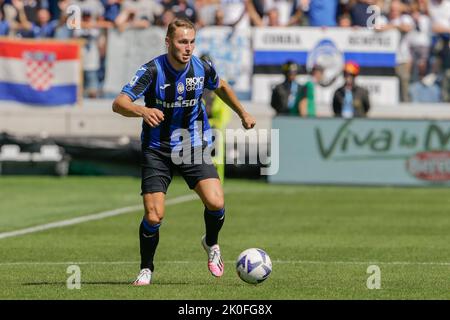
363,151
48,160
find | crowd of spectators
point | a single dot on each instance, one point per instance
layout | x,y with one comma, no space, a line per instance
423,57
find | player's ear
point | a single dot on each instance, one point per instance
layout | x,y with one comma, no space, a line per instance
167,42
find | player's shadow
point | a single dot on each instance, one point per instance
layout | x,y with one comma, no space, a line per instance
156,283
63,283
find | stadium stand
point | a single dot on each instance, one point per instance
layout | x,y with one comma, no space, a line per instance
425,42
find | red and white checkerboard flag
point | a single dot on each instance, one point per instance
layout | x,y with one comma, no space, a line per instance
46,73
39,69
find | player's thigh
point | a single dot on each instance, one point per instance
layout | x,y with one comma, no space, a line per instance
197,168
154,207
156,177
156,172
211,192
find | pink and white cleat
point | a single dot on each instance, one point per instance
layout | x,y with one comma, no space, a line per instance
215,262
144,278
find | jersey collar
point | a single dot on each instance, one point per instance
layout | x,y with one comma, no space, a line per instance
172,69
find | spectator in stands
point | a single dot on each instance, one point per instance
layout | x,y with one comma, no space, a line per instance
284,95
297,17
5,25
43,28
404,24
182,9
425,89
219,17
321,13
138,14
440,19
270,19
306,96
206,10
66,26
351,100
30,7
165,19
8,11
235,13
112,9
90,32
276,10
260,7
345,20
420,38
95,8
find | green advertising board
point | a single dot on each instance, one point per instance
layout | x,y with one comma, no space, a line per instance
362,151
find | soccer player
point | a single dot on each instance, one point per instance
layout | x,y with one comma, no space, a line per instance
172,85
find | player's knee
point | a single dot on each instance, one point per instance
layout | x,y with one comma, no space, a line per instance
154,214
150,225
215,203
153,220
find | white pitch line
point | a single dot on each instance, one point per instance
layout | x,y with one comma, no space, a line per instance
91,217
26,263
366,262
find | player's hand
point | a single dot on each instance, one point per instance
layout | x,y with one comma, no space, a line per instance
152,116
248,122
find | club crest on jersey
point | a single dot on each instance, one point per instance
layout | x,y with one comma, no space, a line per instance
180,87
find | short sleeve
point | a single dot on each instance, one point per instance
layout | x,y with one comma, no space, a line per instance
138,84
211,76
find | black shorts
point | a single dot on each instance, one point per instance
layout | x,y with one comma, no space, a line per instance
157,170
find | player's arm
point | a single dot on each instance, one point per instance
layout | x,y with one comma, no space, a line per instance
124,102
228,96
125,106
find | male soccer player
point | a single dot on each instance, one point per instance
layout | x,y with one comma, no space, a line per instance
172,85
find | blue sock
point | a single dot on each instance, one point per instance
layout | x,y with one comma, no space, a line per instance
213,222
148,241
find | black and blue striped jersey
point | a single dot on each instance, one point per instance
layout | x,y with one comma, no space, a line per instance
178,95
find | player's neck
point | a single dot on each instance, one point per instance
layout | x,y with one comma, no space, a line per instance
175,64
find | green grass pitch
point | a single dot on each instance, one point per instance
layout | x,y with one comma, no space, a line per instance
321,241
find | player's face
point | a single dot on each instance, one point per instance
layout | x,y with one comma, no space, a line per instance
182,45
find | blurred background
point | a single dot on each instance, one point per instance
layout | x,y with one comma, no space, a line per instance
346,93
359,89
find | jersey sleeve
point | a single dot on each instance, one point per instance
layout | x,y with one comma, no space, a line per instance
138,84
211,76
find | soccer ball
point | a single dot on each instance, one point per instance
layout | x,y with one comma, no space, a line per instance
253,265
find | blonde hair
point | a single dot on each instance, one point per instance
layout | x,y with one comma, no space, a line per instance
178,23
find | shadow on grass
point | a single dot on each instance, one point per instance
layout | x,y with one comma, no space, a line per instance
127,283
63,283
